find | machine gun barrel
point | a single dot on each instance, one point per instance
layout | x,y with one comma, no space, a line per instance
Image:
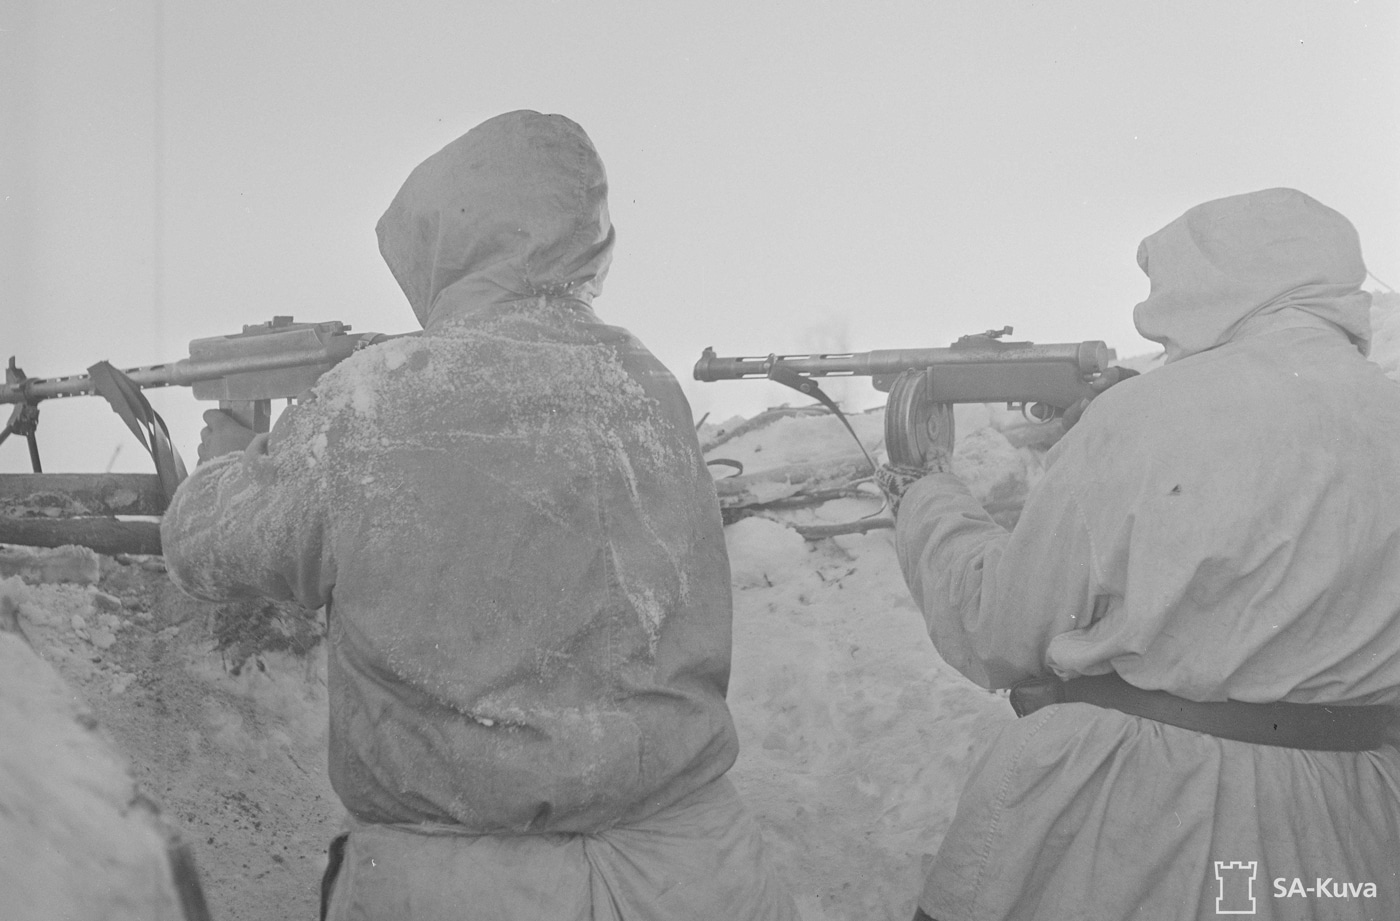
183,373
234,367
245,372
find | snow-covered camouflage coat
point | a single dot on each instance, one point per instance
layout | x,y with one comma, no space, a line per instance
1226,527
507,516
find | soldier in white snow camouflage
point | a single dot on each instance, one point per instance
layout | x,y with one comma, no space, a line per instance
518,544
1199,607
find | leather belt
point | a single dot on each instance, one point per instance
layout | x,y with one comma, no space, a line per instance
1320,727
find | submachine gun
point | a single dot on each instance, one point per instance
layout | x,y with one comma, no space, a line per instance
923,384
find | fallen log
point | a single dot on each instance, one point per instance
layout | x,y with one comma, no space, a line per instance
59,509
105,535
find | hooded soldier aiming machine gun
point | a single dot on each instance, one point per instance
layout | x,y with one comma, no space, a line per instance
245,372
923,384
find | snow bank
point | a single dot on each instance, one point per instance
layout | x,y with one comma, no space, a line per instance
236,761
855,737
77,565
764,552
77,840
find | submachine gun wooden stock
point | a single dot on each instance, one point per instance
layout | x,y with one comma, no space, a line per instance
1040,380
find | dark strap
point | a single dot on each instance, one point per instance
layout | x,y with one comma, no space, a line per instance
738,466
1319,727
135,410
782,374
193,905
335,855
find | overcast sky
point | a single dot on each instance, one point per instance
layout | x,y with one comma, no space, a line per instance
785,176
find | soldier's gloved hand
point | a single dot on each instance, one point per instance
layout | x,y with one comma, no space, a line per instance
1105,380
894,479
222,434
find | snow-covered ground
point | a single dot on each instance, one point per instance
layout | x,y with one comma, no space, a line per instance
856,737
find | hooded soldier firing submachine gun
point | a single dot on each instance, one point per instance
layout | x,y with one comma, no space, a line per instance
1044,381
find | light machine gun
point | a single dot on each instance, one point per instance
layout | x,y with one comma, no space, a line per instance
1042,380
244,372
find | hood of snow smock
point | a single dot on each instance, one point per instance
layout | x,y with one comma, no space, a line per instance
1261,261
515,209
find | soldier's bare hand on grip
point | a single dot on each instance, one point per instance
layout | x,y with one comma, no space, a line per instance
222,434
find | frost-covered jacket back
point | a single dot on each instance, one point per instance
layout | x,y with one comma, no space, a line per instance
508,517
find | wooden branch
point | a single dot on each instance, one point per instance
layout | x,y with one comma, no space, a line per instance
105,535
858,526
78,494
817,497
778,483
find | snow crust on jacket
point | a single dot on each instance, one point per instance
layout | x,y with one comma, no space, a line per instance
1226,527
508,517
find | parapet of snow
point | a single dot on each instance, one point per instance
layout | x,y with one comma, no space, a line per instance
236,758
39,566
76,839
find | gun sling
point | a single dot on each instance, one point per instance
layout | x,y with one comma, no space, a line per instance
1320,727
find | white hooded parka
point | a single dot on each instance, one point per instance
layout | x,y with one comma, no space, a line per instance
1225,527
